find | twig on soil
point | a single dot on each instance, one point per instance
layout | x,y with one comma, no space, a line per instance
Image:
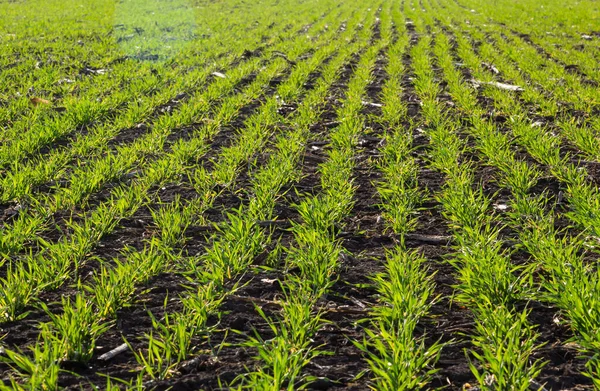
459,327
345,309
371,104
502,86
318,143
116,351
432,239
358,302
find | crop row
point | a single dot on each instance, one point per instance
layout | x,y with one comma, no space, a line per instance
483,124
65,330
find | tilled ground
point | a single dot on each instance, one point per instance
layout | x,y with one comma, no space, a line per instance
221,356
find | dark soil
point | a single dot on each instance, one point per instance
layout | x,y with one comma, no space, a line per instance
220,357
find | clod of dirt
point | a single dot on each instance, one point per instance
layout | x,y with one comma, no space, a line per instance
251,53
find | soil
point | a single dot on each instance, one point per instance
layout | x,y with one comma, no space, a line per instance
363,235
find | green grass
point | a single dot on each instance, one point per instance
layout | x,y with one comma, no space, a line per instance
258,181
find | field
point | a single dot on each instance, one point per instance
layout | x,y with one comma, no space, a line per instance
299,194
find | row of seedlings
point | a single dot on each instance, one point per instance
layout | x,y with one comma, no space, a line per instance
570,281
579,131
563,86
87,179
84,180
560,49
36,56
316,250
489,285
233,249
91,178
544,146
582,196
562,42
24,176
241,237
51,266
397,358
43,122
112,81
85,319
